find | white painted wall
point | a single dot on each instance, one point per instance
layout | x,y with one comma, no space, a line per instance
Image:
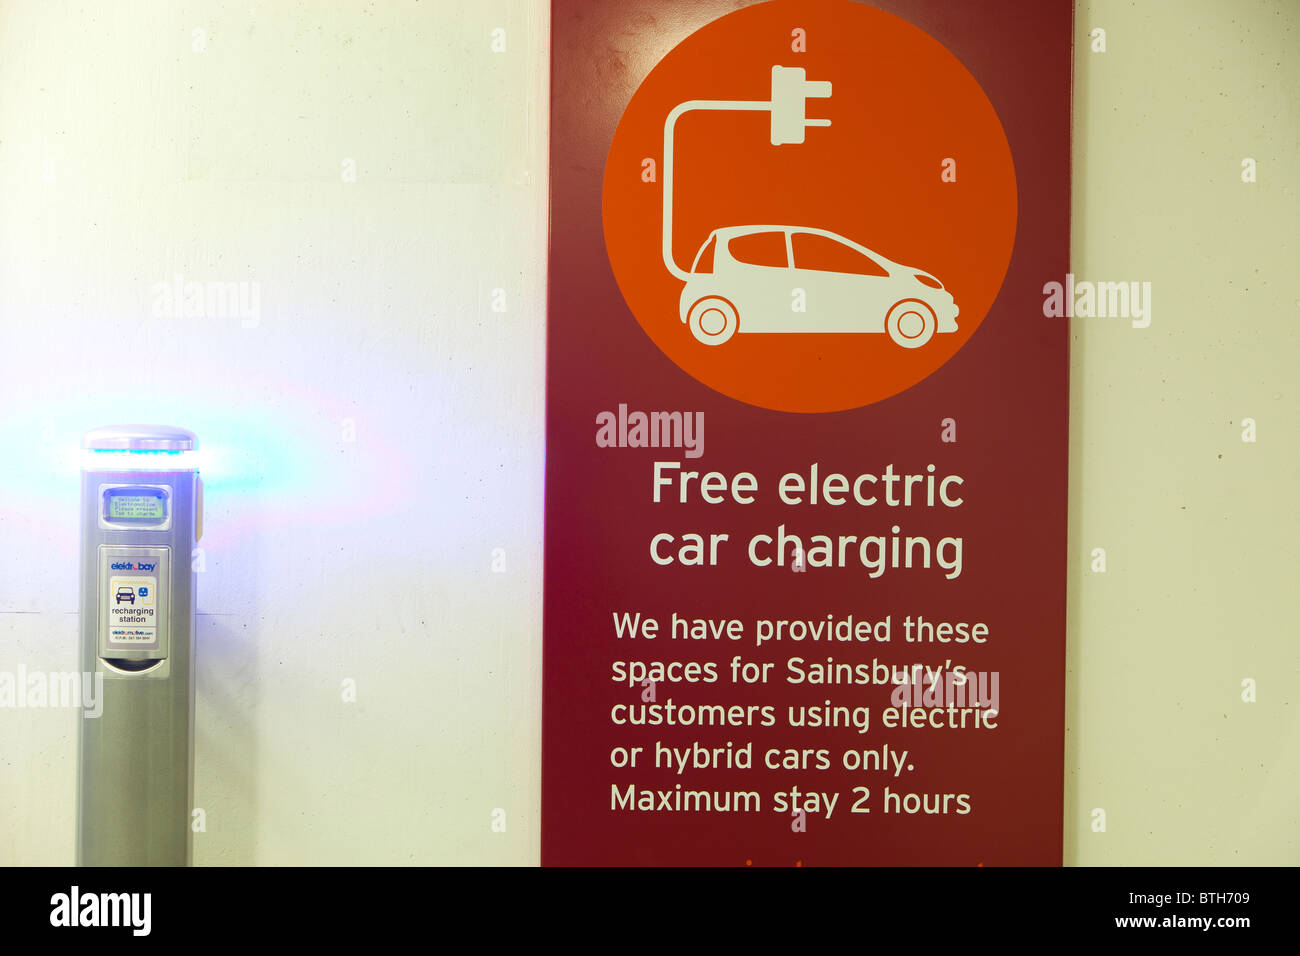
133,149
128,156
1199,527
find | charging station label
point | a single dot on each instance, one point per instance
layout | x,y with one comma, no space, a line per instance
132,609
807,433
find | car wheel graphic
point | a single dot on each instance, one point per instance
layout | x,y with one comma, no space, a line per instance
713,320
911,323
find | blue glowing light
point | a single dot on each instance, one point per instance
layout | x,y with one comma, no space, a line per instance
139,460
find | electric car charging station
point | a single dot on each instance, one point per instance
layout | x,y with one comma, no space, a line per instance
141,514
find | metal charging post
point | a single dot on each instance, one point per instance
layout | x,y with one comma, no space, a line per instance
141,514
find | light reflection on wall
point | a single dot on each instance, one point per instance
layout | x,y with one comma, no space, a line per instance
278,472
267,471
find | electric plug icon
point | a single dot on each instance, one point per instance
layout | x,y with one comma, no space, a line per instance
790,94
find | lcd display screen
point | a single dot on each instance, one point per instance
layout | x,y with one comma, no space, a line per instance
135,504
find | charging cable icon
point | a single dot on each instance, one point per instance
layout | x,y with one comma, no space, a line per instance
791,91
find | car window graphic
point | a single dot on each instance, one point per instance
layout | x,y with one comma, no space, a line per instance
824,254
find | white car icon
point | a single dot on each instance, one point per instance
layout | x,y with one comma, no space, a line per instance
799,279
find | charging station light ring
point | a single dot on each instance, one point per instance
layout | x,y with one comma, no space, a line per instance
840,201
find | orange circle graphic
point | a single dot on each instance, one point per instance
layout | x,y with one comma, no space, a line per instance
840,203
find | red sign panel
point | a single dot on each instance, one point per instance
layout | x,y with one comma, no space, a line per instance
806,433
